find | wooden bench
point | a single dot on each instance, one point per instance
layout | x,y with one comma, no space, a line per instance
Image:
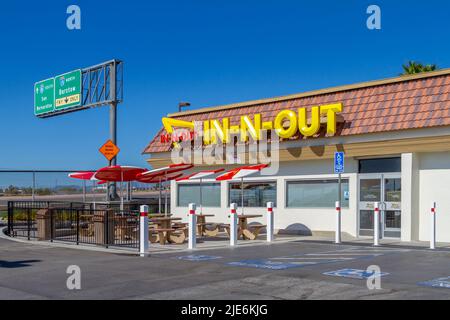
162,234
225,226
211,229
179,235
252,231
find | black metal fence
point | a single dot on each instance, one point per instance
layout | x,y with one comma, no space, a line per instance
73,222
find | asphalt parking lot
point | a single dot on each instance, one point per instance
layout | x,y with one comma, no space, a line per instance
291,270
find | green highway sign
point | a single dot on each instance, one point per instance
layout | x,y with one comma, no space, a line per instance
44,96
68,90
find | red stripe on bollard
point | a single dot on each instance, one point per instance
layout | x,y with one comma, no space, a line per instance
191,211
339,209
233,211
433,210
270,209
144,214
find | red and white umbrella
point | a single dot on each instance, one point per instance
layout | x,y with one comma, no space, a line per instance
199,176
160,175
84,175
240,173
118,174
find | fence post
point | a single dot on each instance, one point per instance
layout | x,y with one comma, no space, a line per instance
337,236
433,226
233,224
78,227
376,224
9,219
192,226
143,231
28,223
52,225
106,226
269,221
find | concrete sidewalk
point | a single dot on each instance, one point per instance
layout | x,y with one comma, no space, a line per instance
222,242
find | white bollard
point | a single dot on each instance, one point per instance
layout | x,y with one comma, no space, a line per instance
233,224
433,226
269,221
192,227
376,224
337,236
143,231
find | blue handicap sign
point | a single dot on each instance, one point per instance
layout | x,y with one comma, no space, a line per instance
194,257
355,274
264,264
437,283
339,162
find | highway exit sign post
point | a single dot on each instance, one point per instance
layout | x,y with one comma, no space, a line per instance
94,86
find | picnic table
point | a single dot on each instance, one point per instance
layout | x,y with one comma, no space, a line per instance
166,233
202,228
246,231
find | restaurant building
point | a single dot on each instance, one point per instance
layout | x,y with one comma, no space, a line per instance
396,137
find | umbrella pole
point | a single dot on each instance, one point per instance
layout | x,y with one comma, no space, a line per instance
131,190
242,195
165,196
84,190
93,192
121,191
159,200
201,198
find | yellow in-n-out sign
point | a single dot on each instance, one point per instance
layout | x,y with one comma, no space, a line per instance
286,124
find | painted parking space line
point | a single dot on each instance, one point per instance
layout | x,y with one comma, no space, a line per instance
355,274
198,257
265,264
437,283
311,259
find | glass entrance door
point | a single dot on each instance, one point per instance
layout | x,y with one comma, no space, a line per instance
385,189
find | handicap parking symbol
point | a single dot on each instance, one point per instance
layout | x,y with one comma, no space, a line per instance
194,257
437,283
355,274
264,264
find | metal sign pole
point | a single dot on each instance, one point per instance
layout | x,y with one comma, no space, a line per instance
113,125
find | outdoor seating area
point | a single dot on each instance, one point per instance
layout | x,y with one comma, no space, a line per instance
90,223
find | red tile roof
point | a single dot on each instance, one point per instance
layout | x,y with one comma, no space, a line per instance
400,103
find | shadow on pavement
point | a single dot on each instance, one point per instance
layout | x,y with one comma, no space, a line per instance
17,264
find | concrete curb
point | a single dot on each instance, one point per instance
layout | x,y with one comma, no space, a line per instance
67,245
156,249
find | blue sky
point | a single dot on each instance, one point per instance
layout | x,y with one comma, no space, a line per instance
204,52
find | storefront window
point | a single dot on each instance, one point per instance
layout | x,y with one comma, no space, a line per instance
190,193
370,190
256,194
380,165
316,193
393,190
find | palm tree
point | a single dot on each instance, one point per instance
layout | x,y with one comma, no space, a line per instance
416,67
